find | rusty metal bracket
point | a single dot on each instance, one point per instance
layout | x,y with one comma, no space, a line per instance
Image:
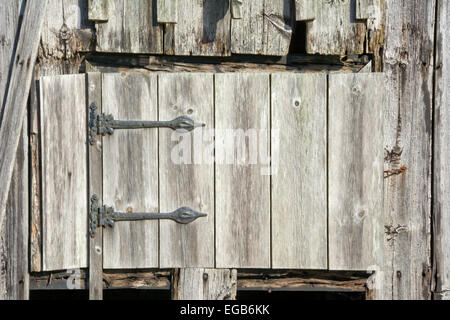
104,124
103,216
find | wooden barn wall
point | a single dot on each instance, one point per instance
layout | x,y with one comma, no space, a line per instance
416,215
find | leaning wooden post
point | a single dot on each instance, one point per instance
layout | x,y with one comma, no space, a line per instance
17,94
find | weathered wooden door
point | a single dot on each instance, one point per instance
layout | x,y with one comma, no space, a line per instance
301,187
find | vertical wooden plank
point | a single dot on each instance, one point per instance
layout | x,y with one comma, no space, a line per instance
264,28
299,180
190,183
408,132
355,169
203,28
64,172
167,11
94,92
205,284
98,10
441,196
130,171
14,278
131,28
242,190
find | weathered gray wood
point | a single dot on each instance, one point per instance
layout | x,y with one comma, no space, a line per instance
14,278
299,177
441,196
408,63
186,183
332,26
236,9
64,172
131,27
94,92
242,102
203,28
130,171
355,171
15,99
205,284
167,11
98,10
265,28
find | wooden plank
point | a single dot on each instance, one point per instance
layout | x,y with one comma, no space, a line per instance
167,11
94,92
186,183
130,171
366,9
205,284
203,28
332,27
131,28
236,9
64,172
242,191
17,94
355,171
14,278
299,181
265,28
408,131
98,10
441,181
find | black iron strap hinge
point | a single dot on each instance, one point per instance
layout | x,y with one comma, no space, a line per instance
103,124
103,216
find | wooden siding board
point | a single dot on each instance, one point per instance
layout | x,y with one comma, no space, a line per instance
299,185
264,28
202,29
131,28
130,171
355,166
242,101
64,172
190,184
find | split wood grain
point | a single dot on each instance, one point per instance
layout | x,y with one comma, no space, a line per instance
130,171
167,11
264,28
242,102
299,171
187,180
64,172
355,171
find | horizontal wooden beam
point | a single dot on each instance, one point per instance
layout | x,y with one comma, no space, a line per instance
246,280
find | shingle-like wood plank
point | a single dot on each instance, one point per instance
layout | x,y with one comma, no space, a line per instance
131,28
130,171
355,166
203,28
98,10
441,201
205,284
242,189
15,101
299,178
264,28
187,182
332,26
64,172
